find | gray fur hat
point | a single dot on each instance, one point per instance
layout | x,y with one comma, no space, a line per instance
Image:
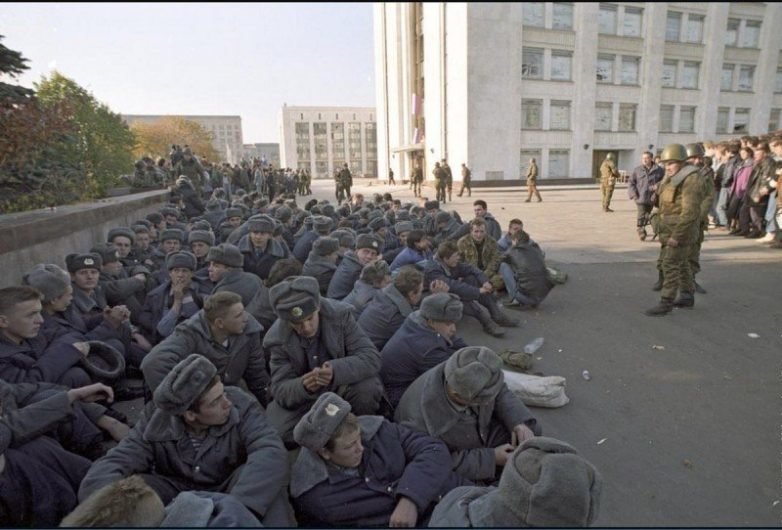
77,262
201,235
48,278
432,205
140,229
475,374
227,254
403,226
374,214
369,241
377,223
295,298
442,307
402,215
322,224
169,210
345,237
183,259
233,212
442,217
212,205
318,425
184,384
323,246
172,233
545,483
283,213
261,223
107,252
121,231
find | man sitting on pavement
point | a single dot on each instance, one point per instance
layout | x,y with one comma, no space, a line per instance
374,277
322,261
481,252
465,403
197,435
368,250
314,347
365,471
226,335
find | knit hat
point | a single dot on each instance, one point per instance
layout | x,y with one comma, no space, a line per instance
545,483
322,224
77,262
172,233
261,223
201,235
184,384
233,212
48,278
283,213
404,226
319,424
369,241
323,246
432,205
107,252
227,254
475,374
442,307
295,298
121,231
183,259
377,223
442,217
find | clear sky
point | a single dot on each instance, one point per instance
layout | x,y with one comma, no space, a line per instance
245,59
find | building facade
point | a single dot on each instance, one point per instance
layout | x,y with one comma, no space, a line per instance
495,84
226,132
322,139
267,153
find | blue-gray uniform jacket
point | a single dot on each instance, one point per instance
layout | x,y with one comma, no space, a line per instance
384,315
260,263
345,276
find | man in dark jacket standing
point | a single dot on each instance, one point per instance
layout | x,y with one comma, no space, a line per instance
314,347
465,403
365,471
641,188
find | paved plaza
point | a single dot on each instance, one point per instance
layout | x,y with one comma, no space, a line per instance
688,403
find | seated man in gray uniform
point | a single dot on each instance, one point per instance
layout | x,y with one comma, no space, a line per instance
465,403
314,347
197,435
368,250
322,261
365,471
544,483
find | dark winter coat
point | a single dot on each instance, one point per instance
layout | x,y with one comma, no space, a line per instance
35,360
456,278
384,315
529,269
360,296
261,263
320,268
303,246
345,277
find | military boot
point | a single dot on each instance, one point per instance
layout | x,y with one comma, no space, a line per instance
686,300
489,325
501,318
699,289
658,286
663,308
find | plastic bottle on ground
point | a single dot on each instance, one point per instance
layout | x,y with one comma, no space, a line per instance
533,346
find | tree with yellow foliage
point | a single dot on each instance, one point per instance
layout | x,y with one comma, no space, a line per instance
155,139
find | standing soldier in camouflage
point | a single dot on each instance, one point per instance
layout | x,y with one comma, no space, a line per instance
608,176
466,180
448,180
679,221
532,181
439,181
695,155
417,179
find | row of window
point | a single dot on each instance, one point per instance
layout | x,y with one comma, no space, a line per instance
223,126
627,21
559,116
336,116
558,161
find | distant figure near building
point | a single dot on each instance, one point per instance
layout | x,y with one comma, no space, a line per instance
466,180
608,176
391,181
532,181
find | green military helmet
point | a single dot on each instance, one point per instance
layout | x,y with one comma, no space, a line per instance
695,150
673,153
609,156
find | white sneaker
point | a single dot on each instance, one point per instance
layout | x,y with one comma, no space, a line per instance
768,238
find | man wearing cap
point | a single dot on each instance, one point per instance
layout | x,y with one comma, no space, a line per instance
374,277
123,239
225,334
365,471
472,287
232,221
142,244
214,214
259,248
545,483
322,262
174,301
198,435
378,226
171,240
190,167
121,288
200,241
368,250
426,338
321,226
465,403
316,346
440,183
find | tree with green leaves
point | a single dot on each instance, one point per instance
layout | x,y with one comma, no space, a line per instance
155,139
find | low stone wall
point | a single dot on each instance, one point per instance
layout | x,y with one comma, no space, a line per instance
47,236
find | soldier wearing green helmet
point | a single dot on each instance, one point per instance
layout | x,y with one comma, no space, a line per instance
695,156
679,220
608,176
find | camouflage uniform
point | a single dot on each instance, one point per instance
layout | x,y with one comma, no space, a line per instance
491,257
608,176
707,197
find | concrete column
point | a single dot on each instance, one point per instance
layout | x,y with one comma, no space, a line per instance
313,165
766,70
648,117
584,68
711,68
381,87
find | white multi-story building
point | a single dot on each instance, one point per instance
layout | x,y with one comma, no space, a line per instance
322,139
267,152
495,84
226,131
